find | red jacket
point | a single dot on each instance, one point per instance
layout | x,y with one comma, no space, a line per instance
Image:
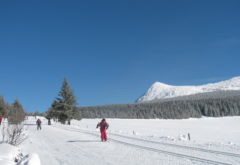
103,126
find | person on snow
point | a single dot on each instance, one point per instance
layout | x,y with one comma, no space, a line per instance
38,122
1,118
103,127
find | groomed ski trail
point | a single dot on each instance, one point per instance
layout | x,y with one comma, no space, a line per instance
131,141
59,146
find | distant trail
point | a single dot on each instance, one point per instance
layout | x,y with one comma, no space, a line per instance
180,155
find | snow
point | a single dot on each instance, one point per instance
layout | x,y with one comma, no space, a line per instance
137,141
12,155
203,130
131,141
31,159
8,154
160,90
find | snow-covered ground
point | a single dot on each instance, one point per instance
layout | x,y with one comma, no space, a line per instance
12,154
8,154
136,141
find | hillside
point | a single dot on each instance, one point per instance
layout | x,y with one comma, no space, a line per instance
161,91
215,104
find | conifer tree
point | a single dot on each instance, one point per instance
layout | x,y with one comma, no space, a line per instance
64,107
3,107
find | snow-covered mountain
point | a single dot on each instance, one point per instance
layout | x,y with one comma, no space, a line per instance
161,91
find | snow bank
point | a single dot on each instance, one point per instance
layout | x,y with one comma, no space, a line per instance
12,155
9,154
31,159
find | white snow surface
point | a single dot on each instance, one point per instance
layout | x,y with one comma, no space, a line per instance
30,159
161,91
8,154
12,155
137,141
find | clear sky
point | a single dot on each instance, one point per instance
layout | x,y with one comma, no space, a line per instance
112,51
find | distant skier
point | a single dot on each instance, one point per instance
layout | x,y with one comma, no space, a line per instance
39,122
103,127
49,120
1,118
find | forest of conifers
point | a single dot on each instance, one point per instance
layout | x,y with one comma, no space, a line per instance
213,104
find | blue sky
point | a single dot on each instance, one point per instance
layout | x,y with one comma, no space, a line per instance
112,51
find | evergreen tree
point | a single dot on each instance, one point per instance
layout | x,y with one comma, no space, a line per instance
64,107
3,107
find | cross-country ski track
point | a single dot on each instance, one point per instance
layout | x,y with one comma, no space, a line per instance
134,142
69,145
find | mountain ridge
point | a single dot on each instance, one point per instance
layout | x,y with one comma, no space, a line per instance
159,90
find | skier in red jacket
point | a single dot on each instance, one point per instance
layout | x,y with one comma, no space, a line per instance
103,127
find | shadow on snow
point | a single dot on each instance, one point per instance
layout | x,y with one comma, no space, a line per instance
83,141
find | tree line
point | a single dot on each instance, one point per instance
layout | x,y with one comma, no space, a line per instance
12,132
64,107
14,112
214,104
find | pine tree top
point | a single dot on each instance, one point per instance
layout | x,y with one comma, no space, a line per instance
66,94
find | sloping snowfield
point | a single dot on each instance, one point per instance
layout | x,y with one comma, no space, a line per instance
137,141
160,90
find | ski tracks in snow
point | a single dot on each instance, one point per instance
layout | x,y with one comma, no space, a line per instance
195,154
